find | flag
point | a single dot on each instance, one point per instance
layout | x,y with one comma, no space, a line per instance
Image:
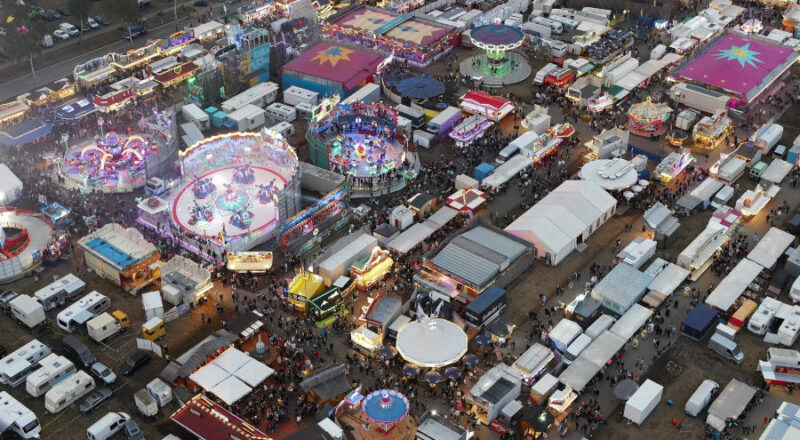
9,19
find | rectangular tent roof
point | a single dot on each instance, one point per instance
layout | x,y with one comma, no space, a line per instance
734,284
579,373
770,248
629,323
209,376
777,171
349,251
442,216
405,28
335,63
623,286
668,279
410,237
231,390
603,348
542,230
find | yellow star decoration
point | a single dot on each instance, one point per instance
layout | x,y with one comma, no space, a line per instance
369,20
412,32
333,55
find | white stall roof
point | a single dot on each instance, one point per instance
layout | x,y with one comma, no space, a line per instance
578,374
9,182
778,430
771,246
442,216
231,360
254,372
734,284
410,237
668,279
231,390
777,171
630,323
346,254
603,348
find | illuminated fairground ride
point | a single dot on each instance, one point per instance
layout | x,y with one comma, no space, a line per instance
111,163
498,66
237,189
363,141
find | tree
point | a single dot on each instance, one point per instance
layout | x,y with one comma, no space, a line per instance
80,8
24,33
125,10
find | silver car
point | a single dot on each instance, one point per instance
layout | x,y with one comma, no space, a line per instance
103,373
94,400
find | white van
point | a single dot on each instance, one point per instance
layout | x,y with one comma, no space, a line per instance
538,79
576,348
726,348
722,196
506,153
107,426
701,397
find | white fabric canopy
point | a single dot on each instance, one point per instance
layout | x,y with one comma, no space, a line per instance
410,237
733,285
231,390
254,372
771,246
231,360
209,376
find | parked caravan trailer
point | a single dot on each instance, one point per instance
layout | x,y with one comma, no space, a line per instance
554,26
102,327
247,118
761,320
281,112
28,311
558,49
416,117
73,316
536,30
16,366
295,95
285,129
542,73
568,23
68,391
18,418
195,114
52,370
59,291
370,93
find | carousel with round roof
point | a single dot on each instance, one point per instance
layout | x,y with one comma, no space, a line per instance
431,342
649,118
386,408
498,66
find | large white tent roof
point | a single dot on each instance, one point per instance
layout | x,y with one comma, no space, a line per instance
209,376
232,375
431,342
410,237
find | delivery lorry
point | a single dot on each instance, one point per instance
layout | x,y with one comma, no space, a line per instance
160,391
643,402
145,403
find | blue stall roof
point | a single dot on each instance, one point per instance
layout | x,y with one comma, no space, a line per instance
486,299
110,252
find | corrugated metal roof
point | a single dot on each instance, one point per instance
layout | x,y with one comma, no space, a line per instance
498,242
468,263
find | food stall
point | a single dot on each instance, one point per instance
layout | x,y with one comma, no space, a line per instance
422,204
325,307
560,401
365,340
711,130
648,118
370,270
465,133
543,388
57,214
754,200
468,200
672,166
253,262
304,287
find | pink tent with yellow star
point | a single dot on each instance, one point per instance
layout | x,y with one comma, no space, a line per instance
740,66
335,63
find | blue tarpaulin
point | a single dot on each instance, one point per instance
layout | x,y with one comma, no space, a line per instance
76,109
420,87
482,171
24,133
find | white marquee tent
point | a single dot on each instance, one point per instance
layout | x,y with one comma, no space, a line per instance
232,375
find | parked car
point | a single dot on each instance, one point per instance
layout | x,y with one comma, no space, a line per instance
94,400
135,362
102,20
92,23
69,28
134,32
47,41
61,34
132,431
100,371
5,299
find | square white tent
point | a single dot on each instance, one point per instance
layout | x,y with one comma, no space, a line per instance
209,376
10,185
231,360
254,372
231,390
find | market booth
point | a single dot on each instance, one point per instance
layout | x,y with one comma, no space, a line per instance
304,287
325,307
122,256
370,270
251,261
